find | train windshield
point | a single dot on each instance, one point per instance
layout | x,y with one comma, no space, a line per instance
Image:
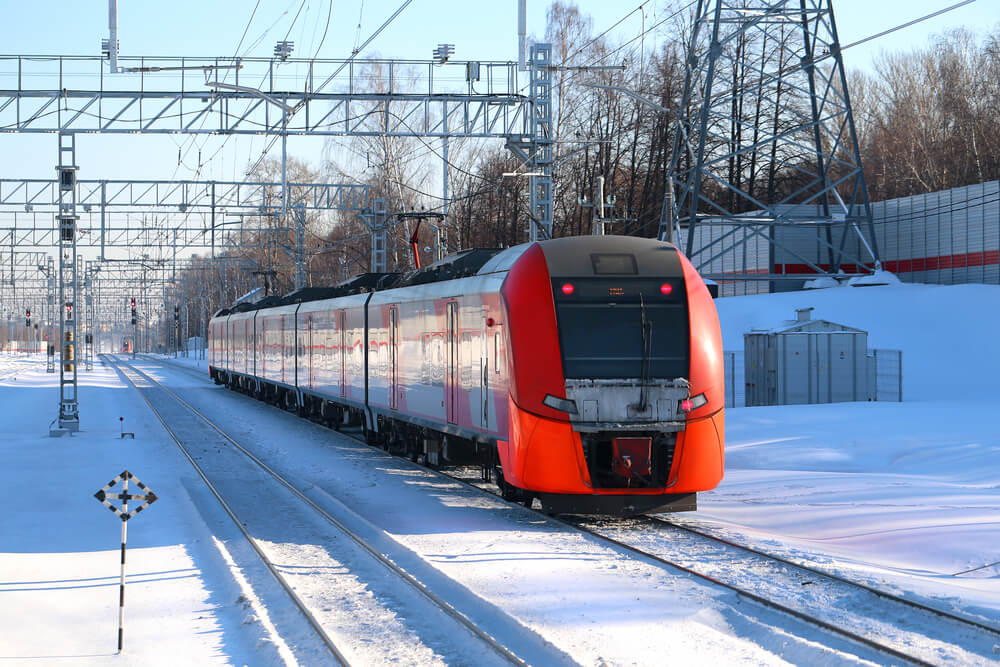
622,328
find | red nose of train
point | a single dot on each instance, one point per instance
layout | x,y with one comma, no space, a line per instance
616,375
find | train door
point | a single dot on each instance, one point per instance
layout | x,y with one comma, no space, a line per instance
484,375
342,356
241,343
310,373
470,375
287,340
250,344
279,348
451,377
394,357
261,366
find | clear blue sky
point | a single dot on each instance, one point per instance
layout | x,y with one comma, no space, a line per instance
479,30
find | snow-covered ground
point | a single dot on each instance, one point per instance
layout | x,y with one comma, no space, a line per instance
906,495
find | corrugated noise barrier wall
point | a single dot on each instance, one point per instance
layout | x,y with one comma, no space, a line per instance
948,237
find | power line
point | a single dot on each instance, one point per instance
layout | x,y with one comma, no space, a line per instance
294,20
247,28
616,24
645,32
908,23
329,12
268,148
194,138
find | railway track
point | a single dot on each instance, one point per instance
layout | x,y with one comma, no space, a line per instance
900,628
807,570
892,626
10,371
196,428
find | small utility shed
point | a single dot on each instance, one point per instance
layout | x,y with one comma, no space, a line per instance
806,361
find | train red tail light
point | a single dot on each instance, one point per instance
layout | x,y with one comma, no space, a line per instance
693,403
666,289
568,288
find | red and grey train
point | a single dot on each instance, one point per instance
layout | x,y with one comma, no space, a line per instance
586,372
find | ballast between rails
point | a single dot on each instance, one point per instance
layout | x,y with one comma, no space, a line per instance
126,369
415,583
777,606
965,620
770,604
585,372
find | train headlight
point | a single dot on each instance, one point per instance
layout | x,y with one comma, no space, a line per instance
563,404
693,403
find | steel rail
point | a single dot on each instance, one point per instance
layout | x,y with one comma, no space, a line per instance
419,586
125,368
770,604
965,620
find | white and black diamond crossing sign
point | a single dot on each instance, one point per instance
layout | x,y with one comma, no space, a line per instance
148,497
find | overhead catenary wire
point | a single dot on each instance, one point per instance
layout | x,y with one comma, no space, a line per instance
329,13
966,2
305,98
236,56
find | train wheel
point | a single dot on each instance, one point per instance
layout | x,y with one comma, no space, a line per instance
507,492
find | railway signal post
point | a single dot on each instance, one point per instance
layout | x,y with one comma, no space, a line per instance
124,514
69,416
135,328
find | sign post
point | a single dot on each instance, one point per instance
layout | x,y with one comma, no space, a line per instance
124,514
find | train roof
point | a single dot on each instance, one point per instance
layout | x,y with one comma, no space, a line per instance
562,254
460,265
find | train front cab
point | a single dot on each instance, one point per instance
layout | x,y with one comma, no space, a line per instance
616,399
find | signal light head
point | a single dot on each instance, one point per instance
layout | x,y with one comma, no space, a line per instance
666,289
568,288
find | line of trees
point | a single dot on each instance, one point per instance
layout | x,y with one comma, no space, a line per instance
927,119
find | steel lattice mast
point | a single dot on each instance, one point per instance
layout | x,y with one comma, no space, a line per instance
766,143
